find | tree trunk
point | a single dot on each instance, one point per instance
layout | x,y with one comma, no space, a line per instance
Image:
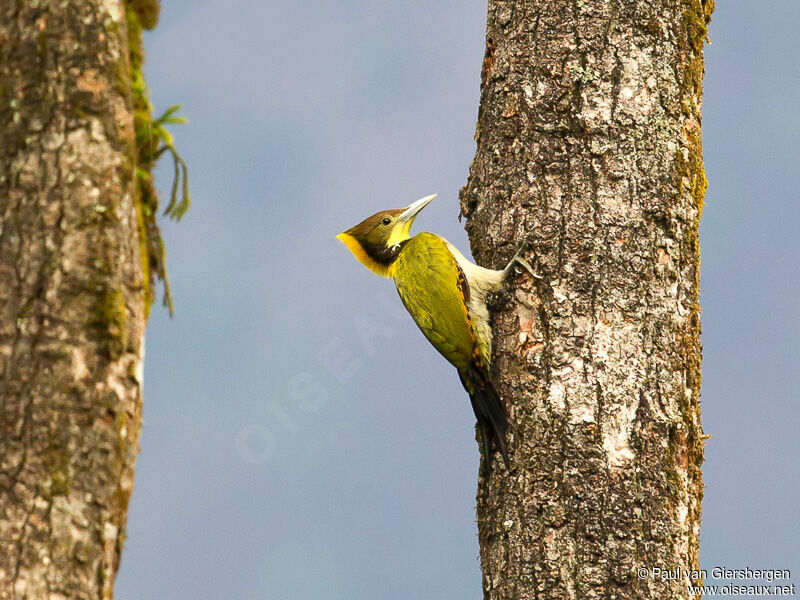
73,284
588,140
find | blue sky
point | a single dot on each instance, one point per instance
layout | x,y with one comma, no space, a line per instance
301,439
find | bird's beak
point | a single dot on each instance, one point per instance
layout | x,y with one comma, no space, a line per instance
413,209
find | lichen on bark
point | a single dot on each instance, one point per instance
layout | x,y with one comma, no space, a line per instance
588,140
73,295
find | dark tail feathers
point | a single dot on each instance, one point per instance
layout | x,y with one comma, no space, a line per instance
489,411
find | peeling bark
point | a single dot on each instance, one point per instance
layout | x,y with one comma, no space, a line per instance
588,140
72,297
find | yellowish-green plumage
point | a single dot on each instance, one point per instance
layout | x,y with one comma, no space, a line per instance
445,294
427,278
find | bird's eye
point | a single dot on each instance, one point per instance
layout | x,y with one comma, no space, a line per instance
386,221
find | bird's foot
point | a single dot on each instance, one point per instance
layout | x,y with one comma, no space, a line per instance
521,262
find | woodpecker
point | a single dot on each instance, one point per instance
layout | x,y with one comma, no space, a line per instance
446,295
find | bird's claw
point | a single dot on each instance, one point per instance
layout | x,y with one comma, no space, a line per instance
525,265
522,262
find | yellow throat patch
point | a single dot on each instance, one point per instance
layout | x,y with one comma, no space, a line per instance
364,258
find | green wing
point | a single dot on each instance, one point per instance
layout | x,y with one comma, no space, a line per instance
435,293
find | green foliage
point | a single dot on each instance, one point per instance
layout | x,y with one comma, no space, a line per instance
153,139
175,209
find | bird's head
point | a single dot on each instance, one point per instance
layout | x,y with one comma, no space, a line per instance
376,241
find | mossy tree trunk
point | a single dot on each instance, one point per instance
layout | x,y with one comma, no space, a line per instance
588,140
73,289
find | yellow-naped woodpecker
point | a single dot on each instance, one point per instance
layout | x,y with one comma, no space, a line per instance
445,294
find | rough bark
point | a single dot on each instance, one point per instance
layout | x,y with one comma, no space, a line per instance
588,140
72,297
